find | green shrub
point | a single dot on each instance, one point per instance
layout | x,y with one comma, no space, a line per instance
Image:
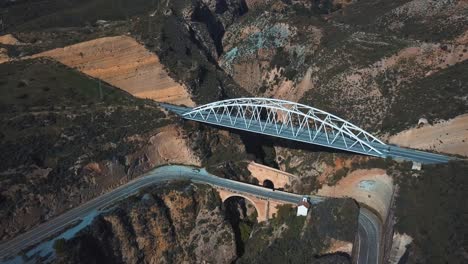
60,246
431,210
245,230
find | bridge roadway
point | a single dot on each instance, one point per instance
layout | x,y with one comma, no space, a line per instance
392,151
369,225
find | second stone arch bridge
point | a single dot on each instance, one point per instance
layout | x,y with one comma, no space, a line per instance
298,122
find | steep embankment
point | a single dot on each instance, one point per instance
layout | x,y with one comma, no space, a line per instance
178,222
65,139
449,136
182,221
187,36
379,71
124,63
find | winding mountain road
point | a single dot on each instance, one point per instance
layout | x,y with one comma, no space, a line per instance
369,225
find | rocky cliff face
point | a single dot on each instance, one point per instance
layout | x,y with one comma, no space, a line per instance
366,62
187,35
380,64
176,223
376,63
186,223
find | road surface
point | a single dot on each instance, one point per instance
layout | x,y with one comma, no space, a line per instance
369,234
368,227
321,139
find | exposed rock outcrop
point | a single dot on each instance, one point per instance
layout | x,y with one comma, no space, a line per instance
187,35
169,144
399,247
365,68
4,55
176,223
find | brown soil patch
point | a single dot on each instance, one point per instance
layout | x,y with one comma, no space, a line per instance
373,188
124,63
448,137
169,146
339,246
328,170
463,38
9,39
4,55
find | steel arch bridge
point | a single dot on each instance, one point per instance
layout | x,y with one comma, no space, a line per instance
289,120
298,122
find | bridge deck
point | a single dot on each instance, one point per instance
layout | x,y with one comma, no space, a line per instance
317,138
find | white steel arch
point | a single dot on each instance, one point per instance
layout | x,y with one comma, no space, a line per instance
298,122
288,120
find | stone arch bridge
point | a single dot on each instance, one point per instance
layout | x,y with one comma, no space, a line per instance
266,208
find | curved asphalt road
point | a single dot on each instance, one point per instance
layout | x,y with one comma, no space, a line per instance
368,237
369,224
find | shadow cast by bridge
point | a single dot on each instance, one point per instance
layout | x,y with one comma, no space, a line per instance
254,142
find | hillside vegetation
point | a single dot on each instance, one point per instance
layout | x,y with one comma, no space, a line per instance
429,209
57,126
381,64
298,239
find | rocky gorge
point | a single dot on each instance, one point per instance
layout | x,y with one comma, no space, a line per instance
79,81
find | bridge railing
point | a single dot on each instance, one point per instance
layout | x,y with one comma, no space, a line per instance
290,120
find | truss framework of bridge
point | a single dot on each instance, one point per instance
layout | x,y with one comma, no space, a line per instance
298,122
287,120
